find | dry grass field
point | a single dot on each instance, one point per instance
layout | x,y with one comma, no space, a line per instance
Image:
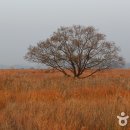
46,100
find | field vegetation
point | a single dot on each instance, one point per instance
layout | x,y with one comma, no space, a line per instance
47,100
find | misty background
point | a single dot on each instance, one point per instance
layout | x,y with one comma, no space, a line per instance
26,22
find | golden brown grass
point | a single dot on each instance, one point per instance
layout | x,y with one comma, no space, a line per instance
46,100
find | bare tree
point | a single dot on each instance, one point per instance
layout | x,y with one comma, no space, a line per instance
76,48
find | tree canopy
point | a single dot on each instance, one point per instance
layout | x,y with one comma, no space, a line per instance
76,49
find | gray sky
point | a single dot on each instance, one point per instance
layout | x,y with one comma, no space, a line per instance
25,22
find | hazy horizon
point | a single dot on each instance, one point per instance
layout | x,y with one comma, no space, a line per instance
26,22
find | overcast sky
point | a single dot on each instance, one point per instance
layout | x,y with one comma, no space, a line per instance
25,22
